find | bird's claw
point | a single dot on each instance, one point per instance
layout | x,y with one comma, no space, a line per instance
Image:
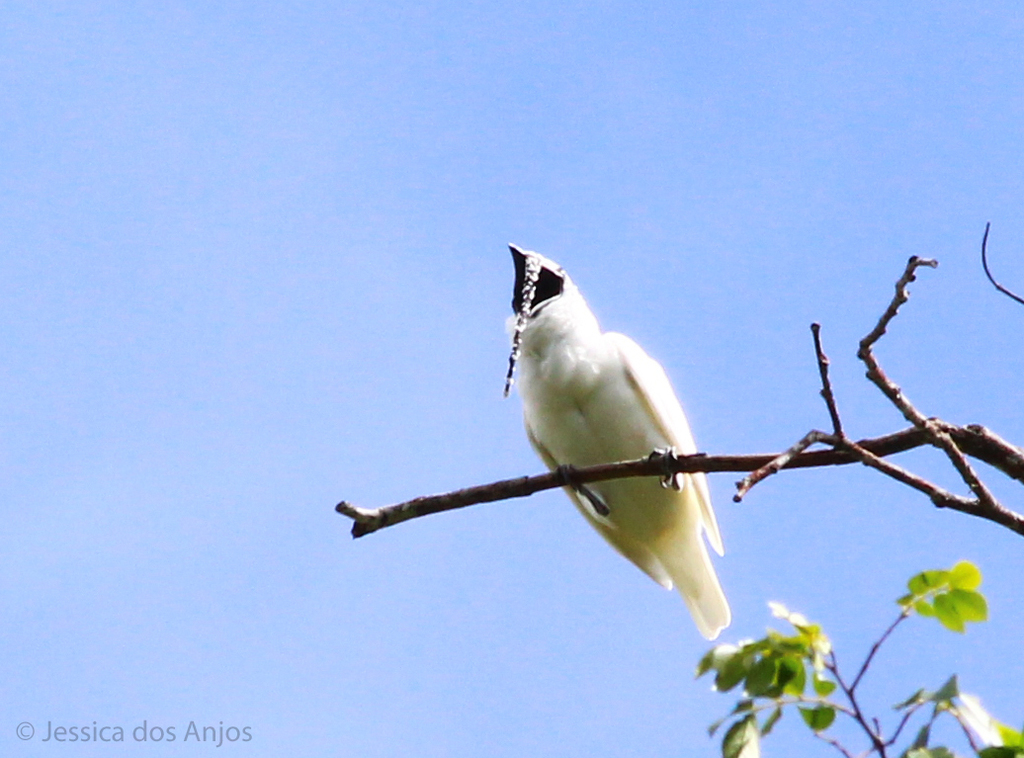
669,476
599,506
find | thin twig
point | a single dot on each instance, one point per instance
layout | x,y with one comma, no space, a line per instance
907,715
834,743
900,298
939,496
780,461
984,263
877,743
826,385
874,649
970,737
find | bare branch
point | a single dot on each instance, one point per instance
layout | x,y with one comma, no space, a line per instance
878,745
956,441
834,743
899,299
780,461
826,385
874,649
907,715
939,496
936,493
985,445
984,263
977,441
970,737
935,430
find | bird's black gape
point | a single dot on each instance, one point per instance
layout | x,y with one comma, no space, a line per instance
549,283
535,285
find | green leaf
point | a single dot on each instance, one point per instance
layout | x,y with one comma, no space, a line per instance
947,691
965,576
1010,737
921,740
715,658
818,718
707,662
743,706
922,583
924,608
792,675
1001,752
822,686
971,605
761,676
917,698
948,613
934,752
905,601
742,740
808,630
733,671
770,721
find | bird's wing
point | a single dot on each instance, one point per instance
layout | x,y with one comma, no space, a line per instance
653,387
631,549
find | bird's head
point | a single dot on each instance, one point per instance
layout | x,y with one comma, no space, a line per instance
540,283
538,279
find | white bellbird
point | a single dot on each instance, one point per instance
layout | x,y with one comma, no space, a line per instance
591,397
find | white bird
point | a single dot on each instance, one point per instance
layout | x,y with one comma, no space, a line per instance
591,397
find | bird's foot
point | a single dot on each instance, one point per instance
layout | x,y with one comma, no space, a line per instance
599,506
566,473
669,476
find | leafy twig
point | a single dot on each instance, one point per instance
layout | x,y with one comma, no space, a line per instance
773,673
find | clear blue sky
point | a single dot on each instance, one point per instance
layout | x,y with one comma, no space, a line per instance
253,261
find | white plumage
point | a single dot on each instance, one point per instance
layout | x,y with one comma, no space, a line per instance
591,397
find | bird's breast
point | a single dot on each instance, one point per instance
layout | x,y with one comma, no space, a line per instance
582,406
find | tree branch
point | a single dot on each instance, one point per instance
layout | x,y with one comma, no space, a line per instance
781,461
956,441
878,745
975,440
985,503
826,385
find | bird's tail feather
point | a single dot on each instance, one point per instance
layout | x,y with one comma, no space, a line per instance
688,563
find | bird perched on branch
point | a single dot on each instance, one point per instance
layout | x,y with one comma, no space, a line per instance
591,397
